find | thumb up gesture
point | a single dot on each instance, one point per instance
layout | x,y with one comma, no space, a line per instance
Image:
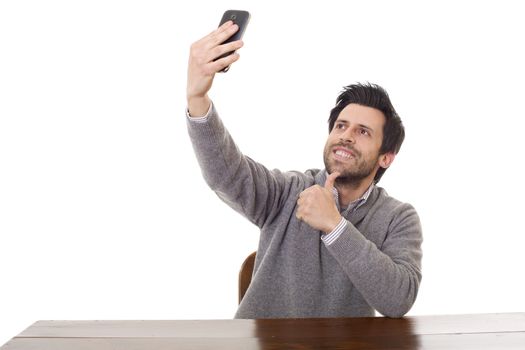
316,206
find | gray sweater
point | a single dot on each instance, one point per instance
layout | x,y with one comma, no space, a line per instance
374,264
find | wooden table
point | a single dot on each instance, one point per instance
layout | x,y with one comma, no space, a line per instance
484,331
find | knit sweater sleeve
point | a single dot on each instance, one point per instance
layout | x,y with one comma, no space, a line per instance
245,185
387,276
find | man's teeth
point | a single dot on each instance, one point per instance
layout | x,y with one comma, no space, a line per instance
343,154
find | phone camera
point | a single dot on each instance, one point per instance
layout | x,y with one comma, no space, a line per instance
233,17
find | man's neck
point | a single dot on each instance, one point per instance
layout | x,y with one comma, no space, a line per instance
351,192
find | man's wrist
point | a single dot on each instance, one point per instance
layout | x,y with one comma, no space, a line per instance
335,233
203,119
333,224
198,106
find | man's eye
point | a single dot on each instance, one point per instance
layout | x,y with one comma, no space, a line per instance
340,126
364,132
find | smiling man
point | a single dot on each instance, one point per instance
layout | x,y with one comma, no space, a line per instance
333,243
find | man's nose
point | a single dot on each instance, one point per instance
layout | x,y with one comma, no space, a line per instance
347,137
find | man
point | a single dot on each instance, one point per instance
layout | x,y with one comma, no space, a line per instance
333,244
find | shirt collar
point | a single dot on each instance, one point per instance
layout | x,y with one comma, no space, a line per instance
355,204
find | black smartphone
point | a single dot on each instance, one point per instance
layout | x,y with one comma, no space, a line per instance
239,17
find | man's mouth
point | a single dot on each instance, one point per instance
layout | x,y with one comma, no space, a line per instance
343,153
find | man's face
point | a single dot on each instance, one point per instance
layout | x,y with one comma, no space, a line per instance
353,145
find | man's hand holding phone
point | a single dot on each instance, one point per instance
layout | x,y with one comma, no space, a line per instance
203,64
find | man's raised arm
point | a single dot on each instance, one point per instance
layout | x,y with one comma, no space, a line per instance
245,185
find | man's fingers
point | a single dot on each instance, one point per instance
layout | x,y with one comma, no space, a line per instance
205,51
221,28
222,33
330,180
225,25
220,50
223,62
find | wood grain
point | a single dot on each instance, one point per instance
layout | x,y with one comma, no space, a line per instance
484,331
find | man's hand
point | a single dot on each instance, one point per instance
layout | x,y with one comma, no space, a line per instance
316,206
202,67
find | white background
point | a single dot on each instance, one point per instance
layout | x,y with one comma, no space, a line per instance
103,210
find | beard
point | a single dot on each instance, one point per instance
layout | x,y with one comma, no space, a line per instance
352,173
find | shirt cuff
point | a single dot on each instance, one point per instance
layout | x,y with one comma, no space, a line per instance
336,232
202,119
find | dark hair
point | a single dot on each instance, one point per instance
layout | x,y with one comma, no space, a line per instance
372,95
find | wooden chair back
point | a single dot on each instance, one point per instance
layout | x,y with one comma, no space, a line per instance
245,275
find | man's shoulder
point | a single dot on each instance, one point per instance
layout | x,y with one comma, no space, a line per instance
390,205
304,178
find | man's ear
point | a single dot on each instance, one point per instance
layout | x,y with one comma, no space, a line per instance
386,159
